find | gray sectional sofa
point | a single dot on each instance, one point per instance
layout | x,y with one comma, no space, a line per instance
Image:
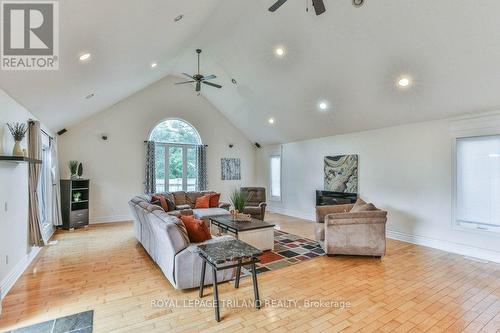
162,236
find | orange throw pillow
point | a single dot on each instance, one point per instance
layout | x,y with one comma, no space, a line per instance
214,200
162,200
203,202
197,229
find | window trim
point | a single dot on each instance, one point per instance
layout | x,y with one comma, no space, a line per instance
454,159
271,197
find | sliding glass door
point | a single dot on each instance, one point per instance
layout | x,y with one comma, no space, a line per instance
176,167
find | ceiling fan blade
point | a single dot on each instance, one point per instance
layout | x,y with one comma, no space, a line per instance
209,77
277,5
198,86
184,82
319,6
212,84
189,76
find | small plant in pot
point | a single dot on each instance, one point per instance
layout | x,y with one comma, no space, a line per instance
73,169
238,200
18,131
77,196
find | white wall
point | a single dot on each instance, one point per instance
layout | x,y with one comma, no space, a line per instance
15,252
406,170
116,167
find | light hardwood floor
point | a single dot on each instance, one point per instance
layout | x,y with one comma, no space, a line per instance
104,269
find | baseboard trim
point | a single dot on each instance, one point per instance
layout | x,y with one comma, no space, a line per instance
110,219
297,214
462,249
18,270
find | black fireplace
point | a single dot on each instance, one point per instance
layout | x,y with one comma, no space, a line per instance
324,198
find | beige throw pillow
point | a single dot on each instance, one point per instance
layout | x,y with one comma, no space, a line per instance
362,206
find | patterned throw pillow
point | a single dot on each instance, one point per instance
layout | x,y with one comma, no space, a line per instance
197,229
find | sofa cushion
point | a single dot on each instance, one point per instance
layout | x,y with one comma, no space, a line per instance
197,229
254,210
148,206
204,213
182,207
203,202
180,198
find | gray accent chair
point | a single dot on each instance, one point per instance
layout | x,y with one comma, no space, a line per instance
341,231
256,202
163,238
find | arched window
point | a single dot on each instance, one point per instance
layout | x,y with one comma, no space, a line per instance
177,145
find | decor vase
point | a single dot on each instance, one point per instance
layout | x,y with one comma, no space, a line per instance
18,150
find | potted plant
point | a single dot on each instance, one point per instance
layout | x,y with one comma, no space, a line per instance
73,169
18,131
77,196
238,200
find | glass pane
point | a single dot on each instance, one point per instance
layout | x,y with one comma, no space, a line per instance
276,176
478,180
175,131
192,169
174,169
160,168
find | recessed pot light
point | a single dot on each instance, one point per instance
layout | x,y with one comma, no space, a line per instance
404,82
279,51
154,65
323,105
234,81
85,56
271,121
89,96
178,18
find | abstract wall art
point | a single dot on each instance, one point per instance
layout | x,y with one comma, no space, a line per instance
341,173
230,169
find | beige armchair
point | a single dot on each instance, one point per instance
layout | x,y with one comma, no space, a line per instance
341,231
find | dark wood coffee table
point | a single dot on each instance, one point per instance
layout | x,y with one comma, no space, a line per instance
255,232
221,256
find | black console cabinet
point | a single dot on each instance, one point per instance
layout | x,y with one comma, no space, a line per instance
75,213
324,198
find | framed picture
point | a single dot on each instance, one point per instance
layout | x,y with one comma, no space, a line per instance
230,169
341,173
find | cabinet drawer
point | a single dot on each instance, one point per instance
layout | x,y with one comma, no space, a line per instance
79,217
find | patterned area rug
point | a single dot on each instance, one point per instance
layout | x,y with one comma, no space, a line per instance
289,249
82,322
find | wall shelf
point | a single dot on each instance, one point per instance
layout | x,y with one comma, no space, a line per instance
18,159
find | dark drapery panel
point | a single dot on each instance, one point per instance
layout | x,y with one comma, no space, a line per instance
150,175
34,151
201,155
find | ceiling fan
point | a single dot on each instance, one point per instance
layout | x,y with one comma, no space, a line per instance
199,79
319,5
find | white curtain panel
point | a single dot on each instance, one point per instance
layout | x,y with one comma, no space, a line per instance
56,188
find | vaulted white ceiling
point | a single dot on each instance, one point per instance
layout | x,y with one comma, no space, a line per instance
350,57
